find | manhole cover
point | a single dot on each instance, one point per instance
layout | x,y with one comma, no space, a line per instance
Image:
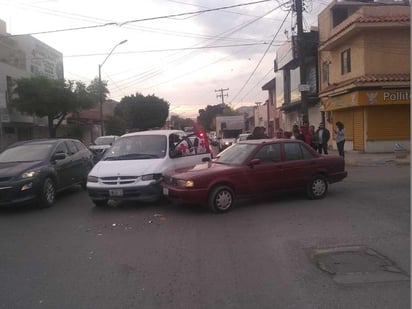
357,264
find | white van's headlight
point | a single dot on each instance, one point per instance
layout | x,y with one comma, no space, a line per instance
92,178
151,177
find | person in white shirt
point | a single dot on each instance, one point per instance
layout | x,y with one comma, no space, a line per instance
340,138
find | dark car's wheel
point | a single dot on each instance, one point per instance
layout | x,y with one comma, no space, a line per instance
48,193
317,187
221,199
100,203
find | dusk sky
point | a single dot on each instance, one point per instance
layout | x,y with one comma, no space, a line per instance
181,51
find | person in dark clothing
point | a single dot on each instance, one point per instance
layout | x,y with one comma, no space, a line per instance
323,138
297,134
314,137
258,133
263,132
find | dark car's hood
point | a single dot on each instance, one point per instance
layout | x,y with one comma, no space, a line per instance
12,169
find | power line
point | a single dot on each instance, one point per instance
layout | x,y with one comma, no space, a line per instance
168,50
152,73
120,24
261,59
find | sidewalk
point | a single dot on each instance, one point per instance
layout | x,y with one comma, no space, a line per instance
356,158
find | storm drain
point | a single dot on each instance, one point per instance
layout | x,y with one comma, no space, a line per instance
357,264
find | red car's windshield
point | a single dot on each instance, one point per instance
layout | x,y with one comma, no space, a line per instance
236,154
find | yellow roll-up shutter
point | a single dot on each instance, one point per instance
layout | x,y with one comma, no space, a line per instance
388,122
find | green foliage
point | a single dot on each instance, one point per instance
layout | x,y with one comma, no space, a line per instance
115,125
207,116
51,98
142,112
179,123
76,130
97,88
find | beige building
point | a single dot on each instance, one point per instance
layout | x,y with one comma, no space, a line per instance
23,56
364,72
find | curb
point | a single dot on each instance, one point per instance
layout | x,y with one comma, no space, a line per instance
381,162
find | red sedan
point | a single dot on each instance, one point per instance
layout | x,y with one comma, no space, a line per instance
254,168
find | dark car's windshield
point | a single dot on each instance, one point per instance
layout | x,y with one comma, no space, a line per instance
28,152
105,140
236,154
137,147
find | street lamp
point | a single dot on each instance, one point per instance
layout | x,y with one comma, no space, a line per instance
100,86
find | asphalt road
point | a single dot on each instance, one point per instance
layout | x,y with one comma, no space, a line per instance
171,256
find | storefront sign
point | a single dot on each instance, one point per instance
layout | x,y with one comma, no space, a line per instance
396,96
367,98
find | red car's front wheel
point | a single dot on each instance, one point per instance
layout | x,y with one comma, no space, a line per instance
221,199
317,187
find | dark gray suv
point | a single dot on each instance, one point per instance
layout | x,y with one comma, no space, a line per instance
34,171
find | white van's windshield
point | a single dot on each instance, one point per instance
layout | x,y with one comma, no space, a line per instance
137,147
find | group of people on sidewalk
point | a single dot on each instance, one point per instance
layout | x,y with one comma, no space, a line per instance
318,139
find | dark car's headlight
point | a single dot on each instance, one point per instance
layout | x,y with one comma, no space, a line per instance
152,177
92,178
30,174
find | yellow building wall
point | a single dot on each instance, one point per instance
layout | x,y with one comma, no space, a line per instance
387,51
357,56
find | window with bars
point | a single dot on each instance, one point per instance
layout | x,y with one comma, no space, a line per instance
345,61
325,72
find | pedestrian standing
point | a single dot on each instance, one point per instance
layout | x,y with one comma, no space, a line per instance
323,138
263,133
314,139
256,134
340,138
304,129
296,133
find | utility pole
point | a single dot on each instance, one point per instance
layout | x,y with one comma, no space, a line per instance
303,87
221,95
257,119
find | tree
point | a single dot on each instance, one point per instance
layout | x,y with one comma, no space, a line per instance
98,88
179,123
43,97
207,116
115,125
142,112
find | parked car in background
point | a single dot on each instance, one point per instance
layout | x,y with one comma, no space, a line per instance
242,137
34,171
255,168
101,144
133,167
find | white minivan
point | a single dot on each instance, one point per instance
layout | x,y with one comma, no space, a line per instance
133,167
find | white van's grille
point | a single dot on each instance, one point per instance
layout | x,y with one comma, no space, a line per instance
119,180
